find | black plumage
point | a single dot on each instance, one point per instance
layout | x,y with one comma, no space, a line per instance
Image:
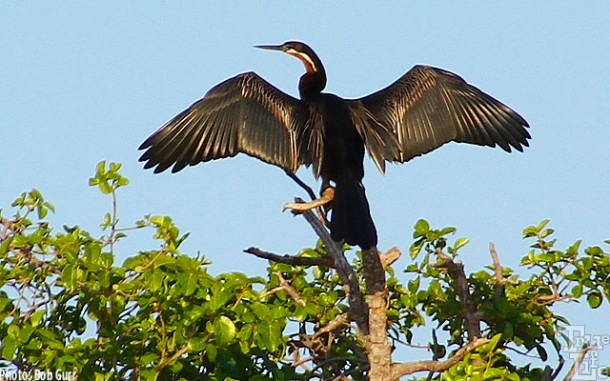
424,109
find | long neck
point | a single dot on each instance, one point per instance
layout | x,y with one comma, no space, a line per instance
312,83
314,80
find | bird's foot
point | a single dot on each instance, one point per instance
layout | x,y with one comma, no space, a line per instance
299,207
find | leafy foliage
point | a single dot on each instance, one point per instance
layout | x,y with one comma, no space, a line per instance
65,304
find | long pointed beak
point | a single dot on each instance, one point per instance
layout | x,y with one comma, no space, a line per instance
270,47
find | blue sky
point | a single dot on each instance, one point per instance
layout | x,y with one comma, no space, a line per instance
84,82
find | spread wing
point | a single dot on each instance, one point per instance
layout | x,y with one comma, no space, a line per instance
428,107
242,114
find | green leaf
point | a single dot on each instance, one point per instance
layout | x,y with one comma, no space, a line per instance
413,285
42,211
211,351
68,277
416,247
269,334
13,330
9,347
421,228
25,333
107,221
191,283
572,251
148,358
36,317
114,167
577,291
533,231
260,310
132,262
494,340
460,243
224,330
542,224
196,344
105,187
221,298
594,299
447,230
149,374
507,331
245,332
100,169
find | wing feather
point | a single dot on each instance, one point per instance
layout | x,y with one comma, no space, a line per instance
428,107
242,114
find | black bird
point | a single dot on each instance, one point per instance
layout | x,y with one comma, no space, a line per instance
424,109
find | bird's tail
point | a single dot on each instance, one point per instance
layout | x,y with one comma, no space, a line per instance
351,218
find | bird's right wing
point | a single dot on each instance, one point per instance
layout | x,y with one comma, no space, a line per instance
242,114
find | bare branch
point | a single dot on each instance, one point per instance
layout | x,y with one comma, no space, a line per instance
389,257
289,289
338,321
358,309
301,183
406,368
579,359
289,259
472,317
166,362
312,195
318,226
497,270
271,292
6,227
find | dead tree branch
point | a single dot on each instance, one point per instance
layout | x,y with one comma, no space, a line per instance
579,359
406,368
289,289
337,322
285,286
301,183
497,271
358,309
472,317
389,257
289,259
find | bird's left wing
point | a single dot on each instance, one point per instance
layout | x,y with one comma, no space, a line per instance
428,107
242,114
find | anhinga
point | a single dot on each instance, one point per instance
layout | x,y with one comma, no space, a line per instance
424,109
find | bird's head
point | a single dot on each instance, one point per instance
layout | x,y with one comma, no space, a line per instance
301,51
314,80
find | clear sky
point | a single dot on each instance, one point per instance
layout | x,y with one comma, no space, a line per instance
84,82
